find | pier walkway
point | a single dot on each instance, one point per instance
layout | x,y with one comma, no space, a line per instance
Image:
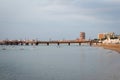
20,42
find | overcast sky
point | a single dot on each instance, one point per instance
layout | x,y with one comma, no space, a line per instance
58,19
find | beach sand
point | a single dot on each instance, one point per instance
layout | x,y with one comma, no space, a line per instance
115,47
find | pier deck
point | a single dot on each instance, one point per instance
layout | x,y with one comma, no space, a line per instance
17,42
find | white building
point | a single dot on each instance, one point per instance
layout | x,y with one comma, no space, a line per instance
113,41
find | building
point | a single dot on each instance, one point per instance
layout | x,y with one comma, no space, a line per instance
106,35
110,35
82,35
101,36
109,38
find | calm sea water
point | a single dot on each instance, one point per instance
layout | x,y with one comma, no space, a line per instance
58,63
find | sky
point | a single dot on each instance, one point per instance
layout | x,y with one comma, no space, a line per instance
58,19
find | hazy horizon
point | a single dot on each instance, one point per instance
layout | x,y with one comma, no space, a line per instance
58,19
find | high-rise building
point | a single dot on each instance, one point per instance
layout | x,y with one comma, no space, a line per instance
82,35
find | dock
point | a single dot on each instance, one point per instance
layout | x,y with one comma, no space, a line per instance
33,42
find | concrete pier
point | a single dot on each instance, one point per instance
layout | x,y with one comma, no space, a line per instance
16,42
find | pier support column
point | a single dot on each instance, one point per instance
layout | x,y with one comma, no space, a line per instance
6,43
68,44
90,43
79,44
10,43
58,44
27,44
31,43
36,43
16,43
21,43
47,44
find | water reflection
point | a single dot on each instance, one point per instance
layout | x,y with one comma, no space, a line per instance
58,63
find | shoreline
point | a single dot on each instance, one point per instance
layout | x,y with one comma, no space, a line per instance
114,47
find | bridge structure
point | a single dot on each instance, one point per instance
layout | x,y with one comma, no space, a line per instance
33,42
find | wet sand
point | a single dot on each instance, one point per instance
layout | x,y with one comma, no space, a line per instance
115,47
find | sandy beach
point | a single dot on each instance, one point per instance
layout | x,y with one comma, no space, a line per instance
115,47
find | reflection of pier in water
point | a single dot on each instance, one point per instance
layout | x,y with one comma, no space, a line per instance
69,42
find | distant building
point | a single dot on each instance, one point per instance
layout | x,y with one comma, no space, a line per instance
109,38
101,36
106,35
82,35
110,35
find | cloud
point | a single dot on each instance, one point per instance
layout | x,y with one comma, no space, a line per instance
61,10
60,13
54,10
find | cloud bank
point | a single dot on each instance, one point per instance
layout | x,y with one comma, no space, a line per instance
59,14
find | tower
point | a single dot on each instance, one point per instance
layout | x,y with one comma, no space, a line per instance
82,35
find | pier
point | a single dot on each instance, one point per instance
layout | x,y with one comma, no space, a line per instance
30,42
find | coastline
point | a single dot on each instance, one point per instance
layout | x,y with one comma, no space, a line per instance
114,47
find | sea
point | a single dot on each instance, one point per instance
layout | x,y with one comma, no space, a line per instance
62,62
